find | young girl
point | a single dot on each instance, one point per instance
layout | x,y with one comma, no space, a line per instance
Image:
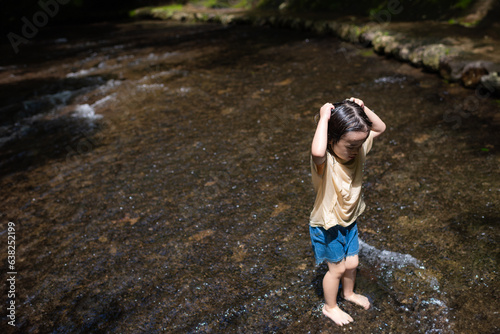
343,137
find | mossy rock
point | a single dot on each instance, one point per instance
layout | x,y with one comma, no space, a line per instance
492,83
381,42
321,28
432,55
451,67
416,56
473,72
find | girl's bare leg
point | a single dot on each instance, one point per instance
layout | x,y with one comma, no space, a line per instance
330,288
351,263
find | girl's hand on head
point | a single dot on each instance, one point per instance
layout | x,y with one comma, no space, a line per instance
326,111
357,101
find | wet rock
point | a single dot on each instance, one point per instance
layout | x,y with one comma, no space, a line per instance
182,16
367,37
416,55
205,17
321,28
227,19
334,26
393,47
403,51
472,73
432,55
297,24
283,21
492,82
162,14
450,68
273,20
142,12
381,42
349,32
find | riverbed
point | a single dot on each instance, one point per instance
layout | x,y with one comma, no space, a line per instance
158,177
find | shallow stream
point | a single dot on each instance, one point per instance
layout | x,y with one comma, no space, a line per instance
158,177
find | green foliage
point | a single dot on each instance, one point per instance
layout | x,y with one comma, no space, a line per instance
171,8
462,4
372,12
168,9
223,3
244,4
367,53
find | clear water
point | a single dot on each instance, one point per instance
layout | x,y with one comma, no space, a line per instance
158,176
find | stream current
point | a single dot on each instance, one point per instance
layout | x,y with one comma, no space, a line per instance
158,177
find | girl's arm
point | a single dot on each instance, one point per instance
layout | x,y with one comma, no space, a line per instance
320,140
378,126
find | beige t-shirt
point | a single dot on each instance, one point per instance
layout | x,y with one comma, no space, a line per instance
338,191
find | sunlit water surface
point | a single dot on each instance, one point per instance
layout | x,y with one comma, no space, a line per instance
158,176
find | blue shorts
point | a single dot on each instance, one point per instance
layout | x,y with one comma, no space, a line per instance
335,244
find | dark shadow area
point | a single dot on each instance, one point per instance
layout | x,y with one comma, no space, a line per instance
381,11
45,13
244,45
45,141
31,132
51,43
472,226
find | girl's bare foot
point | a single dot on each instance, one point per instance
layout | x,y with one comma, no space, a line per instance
337,315
358,300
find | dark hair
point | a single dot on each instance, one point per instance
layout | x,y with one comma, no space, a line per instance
346,117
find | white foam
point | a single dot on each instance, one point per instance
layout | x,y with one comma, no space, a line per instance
86,111
152,57
150,86
434,301
85,72
125,57
390,80
103,100
5,68
80,73
4,140
398,260
390,260
60,98
110,84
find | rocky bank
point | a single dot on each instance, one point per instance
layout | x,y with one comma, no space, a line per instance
469,55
